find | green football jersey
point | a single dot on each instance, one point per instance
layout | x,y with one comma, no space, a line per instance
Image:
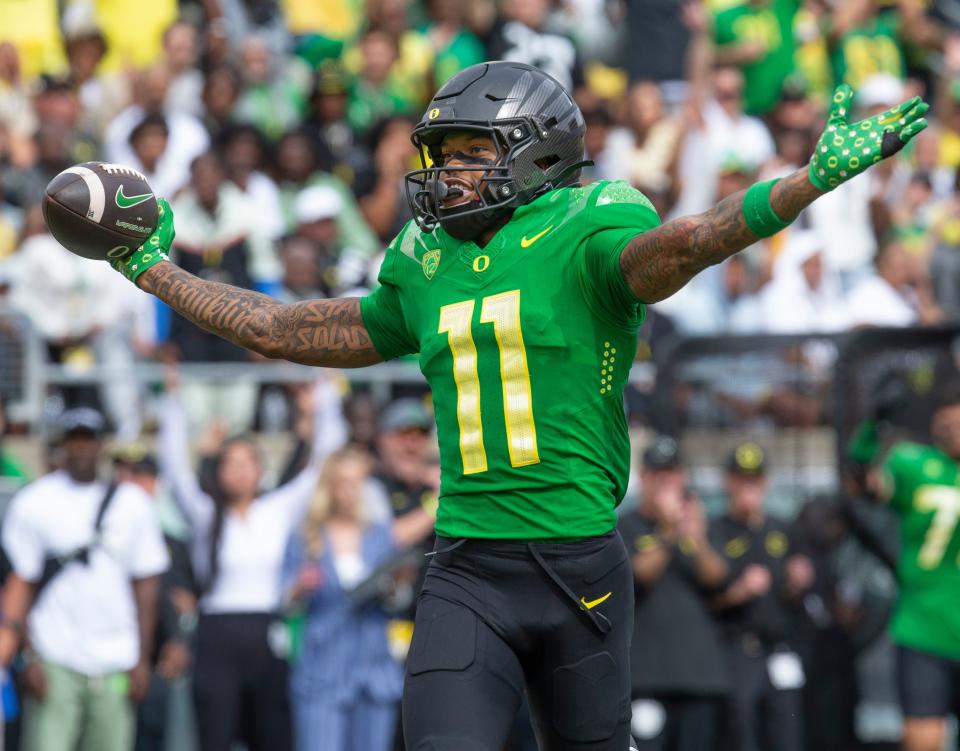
527,343
924,489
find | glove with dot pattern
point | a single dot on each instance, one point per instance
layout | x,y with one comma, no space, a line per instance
847,149
154,249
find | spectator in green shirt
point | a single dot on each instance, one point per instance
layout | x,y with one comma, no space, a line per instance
757,37
866,38
455,47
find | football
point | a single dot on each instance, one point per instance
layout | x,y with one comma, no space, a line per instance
100,210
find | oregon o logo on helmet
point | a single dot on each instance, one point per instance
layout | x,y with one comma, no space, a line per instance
434,113
118,252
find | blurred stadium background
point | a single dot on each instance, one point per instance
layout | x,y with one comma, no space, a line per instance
279,130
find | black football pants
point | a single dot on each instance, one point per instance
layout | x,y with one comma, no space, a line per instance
496,617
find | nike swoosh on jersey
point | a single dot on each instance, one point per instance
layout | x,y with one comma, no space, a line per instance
128,202
525,243
591,604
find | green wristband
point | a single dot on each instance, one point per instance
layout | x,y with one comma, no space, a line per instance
758,213
147,255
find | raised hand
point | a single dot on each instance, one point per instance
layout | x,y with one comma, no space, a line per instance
847,149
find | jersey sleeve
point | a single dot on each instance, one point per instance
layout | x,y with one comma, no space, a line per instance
616,214
382,311
899,473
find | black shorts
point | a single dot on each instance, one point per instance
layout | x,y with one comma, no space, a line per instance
496,618
929,685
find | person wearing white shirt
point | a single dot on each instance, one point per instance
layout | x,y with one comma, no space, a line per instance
239,537
803,297
889,297
91,624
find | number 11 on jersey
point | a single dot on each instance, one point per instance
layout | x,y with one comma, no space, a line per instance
503,311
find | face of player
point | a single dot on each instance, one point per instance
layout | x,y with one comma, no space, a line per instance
346,487
81,453
239,471
946,430
745,495
465,149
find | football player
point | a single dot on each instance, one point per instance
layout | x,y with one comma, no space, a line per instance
921,483
521,291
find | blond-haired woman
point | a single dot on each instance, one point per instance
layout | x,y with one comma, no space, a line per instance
346,686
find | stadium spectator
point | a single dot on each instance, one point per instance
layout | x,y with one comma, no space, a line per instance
221,89
306,271
403,447
317,209
245,159
726,135
180,54
374,92
345,685
239,535
17,119
758,607
88,554
758,38
897,294
803,297
662,56
274,89
240,20
296,167
102,95
341,150
187,136
455,46
677,666
176,607
385,207
521,34
84,318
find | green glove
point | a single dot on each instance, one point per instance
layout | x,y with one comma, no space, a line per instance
154,249
847,149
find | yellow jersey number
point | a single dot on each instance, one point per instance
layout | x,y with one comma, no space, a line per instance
503,311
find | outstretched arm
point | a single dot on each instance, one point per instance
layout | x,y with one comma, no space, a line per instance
658,262
329,333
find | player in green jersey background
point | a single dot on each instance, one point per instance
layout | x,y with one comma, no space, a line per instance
521,291
922,485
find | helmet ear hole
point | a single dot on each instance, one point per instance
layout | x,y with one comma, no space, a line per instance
546,162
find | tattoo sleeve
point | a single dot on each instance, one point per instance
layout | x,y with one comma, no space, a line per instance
330,333
660,261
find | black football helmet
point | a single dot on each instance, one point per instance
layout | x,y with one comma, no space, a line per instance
537,127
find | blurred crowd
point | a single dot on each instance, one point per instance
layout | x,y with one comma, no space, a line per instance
280,132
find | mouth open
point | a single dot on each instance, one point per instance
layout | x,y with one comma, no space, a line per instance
458,193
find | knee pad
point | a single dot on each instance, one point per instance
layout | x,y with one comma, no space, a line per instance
588,700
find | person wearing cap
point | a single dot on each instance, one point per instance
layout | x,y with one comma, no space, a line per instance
757,606
317,209
677,667
90,625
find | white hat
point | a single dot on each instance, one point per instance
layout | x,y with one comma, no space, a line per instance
80,20
317,203
880,90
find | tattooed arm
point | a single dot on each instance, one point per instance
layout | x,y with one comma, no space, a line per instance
660,261
330,333
657,263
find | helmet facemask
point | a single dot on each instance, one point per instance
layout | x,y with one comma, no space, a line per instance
498,189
